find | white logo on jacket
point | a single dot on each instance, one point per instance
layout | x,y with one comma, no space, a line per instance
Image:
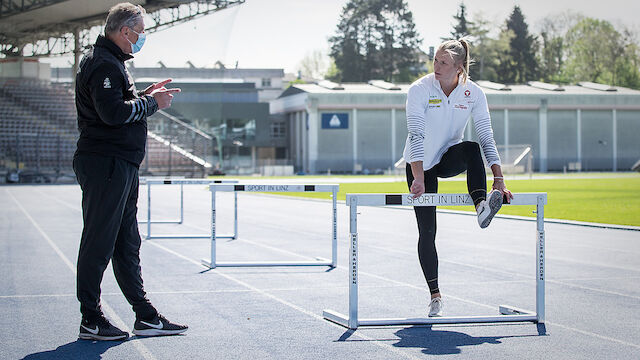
106,83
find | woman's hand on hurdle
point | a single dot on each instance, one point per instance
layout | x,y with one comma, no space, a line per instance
498,184
417,188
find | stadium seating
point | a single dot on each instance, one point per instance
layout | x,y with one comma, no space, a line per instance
38,132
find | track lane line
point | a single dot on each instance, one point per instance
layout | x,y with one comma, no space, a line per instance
140,347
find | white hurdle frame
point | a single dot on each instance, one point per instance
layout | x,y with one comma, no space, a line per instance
332,188
183,182
508,313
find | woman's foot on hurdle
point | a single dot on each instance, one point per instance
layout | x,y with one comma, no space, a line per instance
488,208
435,307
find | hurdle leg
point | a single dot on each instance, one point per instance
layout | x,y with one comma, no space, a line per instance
353,265
334,232
148,211
181,203
212,262
540,261
351,319
235,216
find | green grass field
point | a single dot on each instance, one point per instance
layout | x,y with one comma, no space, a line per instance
603,198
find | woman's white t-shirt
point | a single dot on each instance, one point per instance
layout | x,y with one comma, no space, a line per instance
436,122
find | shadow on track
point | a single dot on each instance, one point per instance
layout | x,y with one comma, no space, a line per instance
79,349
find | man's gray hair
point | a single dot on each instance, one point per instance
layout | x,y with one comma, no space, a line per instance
123,14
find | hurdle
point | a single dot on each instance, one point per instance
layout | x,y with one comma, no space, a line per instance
214,188
180,220
507,313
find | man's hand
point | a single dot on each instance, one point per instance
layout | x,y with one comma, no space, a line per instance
156,86
163,96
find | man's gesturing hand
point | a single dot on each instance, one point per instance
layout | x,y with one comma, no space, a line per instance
163,96
156,86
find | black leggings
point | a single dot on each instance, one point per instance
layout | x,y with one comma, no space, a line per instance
459,157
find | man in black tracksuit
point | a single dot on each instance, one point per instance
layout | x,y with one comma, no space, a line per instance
113,130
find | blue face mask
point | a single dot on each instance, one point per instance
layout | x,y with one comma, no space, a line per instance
138,44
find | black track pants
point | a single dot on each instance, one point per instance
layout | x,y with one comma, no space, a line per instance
109,206
461,157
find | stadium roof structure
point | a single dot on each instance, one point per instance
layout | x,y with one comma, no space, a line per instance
35,28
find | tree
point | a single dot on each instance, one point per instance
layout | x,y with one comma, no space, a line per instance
462,27
313,65
593,47
551,58
375,39
487,53
629,70
552,51
598,52
522,64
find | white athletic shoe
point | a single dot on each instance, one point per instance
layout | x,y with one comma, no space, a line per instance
487,209
435,308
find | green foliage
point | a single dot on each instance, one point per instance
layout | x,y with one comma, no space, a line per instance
551,59
333,73
487,53
296,81
462,26
597,52
375,39
520,64
593,48
553,46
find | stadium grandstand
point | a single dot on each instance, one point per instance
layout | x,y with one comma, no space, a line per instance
38,118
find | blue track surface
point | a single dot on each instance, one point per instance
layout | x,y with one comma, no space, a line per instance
592,287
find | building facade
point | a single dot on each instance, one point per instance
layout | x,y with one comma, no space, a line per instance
353,128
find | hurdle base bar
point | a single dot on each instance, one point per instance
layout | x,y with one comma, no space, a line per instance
513,315
319,262
187,236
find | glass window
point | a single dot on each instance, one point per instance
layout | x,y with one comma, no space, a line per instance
241,129
278,130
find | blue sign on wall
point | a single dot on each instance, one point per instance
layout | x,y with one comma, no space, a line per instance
335,120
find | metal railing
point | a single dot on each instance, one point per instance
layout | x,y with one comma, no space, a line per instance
183,149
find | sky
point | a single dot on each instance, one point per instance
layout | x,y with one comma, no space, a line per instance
280,33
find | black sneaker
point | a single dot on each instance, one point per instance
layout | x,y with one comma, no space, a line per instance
157,326
100,329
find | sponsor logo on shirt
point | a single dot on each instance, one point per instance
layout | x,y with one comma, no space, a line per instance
461,106
467,93
434,103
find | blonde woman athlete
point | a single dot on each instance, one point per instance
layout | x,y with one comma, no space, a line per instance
438,108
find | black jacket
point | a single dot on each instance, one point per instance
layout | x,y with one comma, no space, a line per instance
112,116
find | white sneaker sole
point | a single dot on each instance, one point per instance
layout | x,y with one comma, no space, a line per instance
495,203
157,332
84,336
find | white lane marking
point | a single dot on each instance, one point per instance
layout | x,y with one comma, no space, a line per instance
484,268
411,286
273,297
187,292
284,302
142,349
422,288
